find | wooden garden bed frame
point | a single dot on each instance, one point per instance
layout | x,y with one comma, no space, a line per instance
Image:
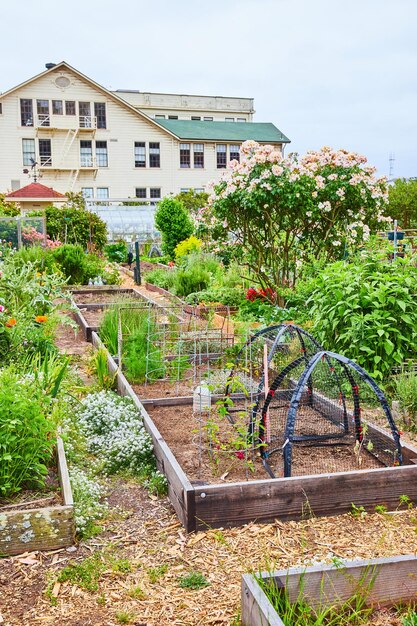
200,507
394,581
41,528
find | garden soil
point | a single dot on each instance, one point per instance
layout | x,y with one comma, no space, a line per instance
145,531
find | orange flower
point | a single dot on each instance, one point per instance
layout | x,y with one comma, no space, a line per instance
41,319
11,322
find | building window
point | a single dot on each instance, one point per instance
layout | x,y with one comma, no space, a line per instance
26,112
101,154
57,107
198,189
184,190
221,154
42,107
1,108
185,155
159,117
70,107
140,154
84,111
45,152
86,153
240,119
234,152
198,155
208,119
140,192
88,192
100,114
102,193
196,118
154,155
29,156
172,117
155,192
229,119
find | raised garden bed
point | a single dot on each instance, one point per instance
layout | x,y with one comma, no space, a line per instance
233,497
232,504
24,528
391,581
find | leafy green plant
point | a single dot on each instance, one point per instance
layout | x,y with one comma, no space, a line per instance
357,511
155,573
86,574
172,220
100,367
27,431
117,251
193,580
160,278
365,309
71,259
405,385
410,619
73,224
125,617
191,279
189,245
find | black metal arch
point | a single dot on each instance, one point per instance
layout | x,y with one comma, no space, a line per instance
281,328
295,401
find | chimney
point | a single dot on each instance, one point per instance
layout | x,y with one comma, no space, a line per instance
49,66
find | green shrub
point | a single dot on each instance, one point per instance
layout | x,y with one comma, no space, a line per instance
191,279
26,434
406,392
41,258
117,252
228,296
192,244
160,278
366,309
75,225
71,259
172,220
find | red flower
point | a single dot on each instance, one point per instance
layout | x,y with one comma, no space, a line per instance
240,454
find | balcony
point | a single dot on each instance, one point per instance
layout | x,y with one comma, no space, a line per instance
84,164
66,122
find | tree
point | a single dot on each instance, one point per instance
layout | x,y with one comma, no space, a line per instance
283,211
402,203
193,200
73,224
174,223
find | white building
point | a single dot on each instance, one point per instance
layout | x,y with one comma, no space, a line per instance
120,144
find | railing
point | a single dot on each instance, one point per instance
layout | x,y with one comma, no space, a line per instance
45,161
87,121
65,122
88,161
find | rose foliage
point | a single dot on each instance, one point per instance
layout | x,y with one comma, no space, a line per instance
281,211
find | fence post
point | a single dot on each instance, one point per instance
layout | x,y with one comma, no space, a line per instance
136,269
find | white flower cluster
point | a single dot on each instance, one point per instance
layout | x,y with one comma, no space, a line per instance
87,494
114,431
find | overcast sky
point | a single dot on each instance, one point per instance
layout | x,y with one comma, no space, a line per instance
326,72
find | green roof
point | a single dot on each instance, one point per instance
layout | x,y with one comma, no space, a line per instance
224,131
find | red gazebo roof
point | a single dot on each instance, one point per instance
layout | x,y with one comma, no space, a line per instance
35,191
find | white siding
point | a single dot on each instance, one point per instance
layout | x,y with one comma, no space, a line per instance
124,127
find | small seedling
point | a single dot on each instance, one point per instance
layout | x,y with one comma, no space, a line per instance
405,500
124,617
155,573
101,600
381,508
410,619
193,580
121,565
357,511
136,593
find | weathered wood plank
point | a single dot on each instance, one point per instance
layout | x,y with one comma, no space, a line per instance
26,530
256,607
233,504
180,490
63,473
382,582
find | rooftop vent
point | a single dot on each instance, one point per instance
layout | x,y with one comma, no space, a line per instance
49,66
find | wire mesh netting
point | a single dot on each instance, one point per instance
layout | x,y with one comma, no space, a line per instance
318,426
